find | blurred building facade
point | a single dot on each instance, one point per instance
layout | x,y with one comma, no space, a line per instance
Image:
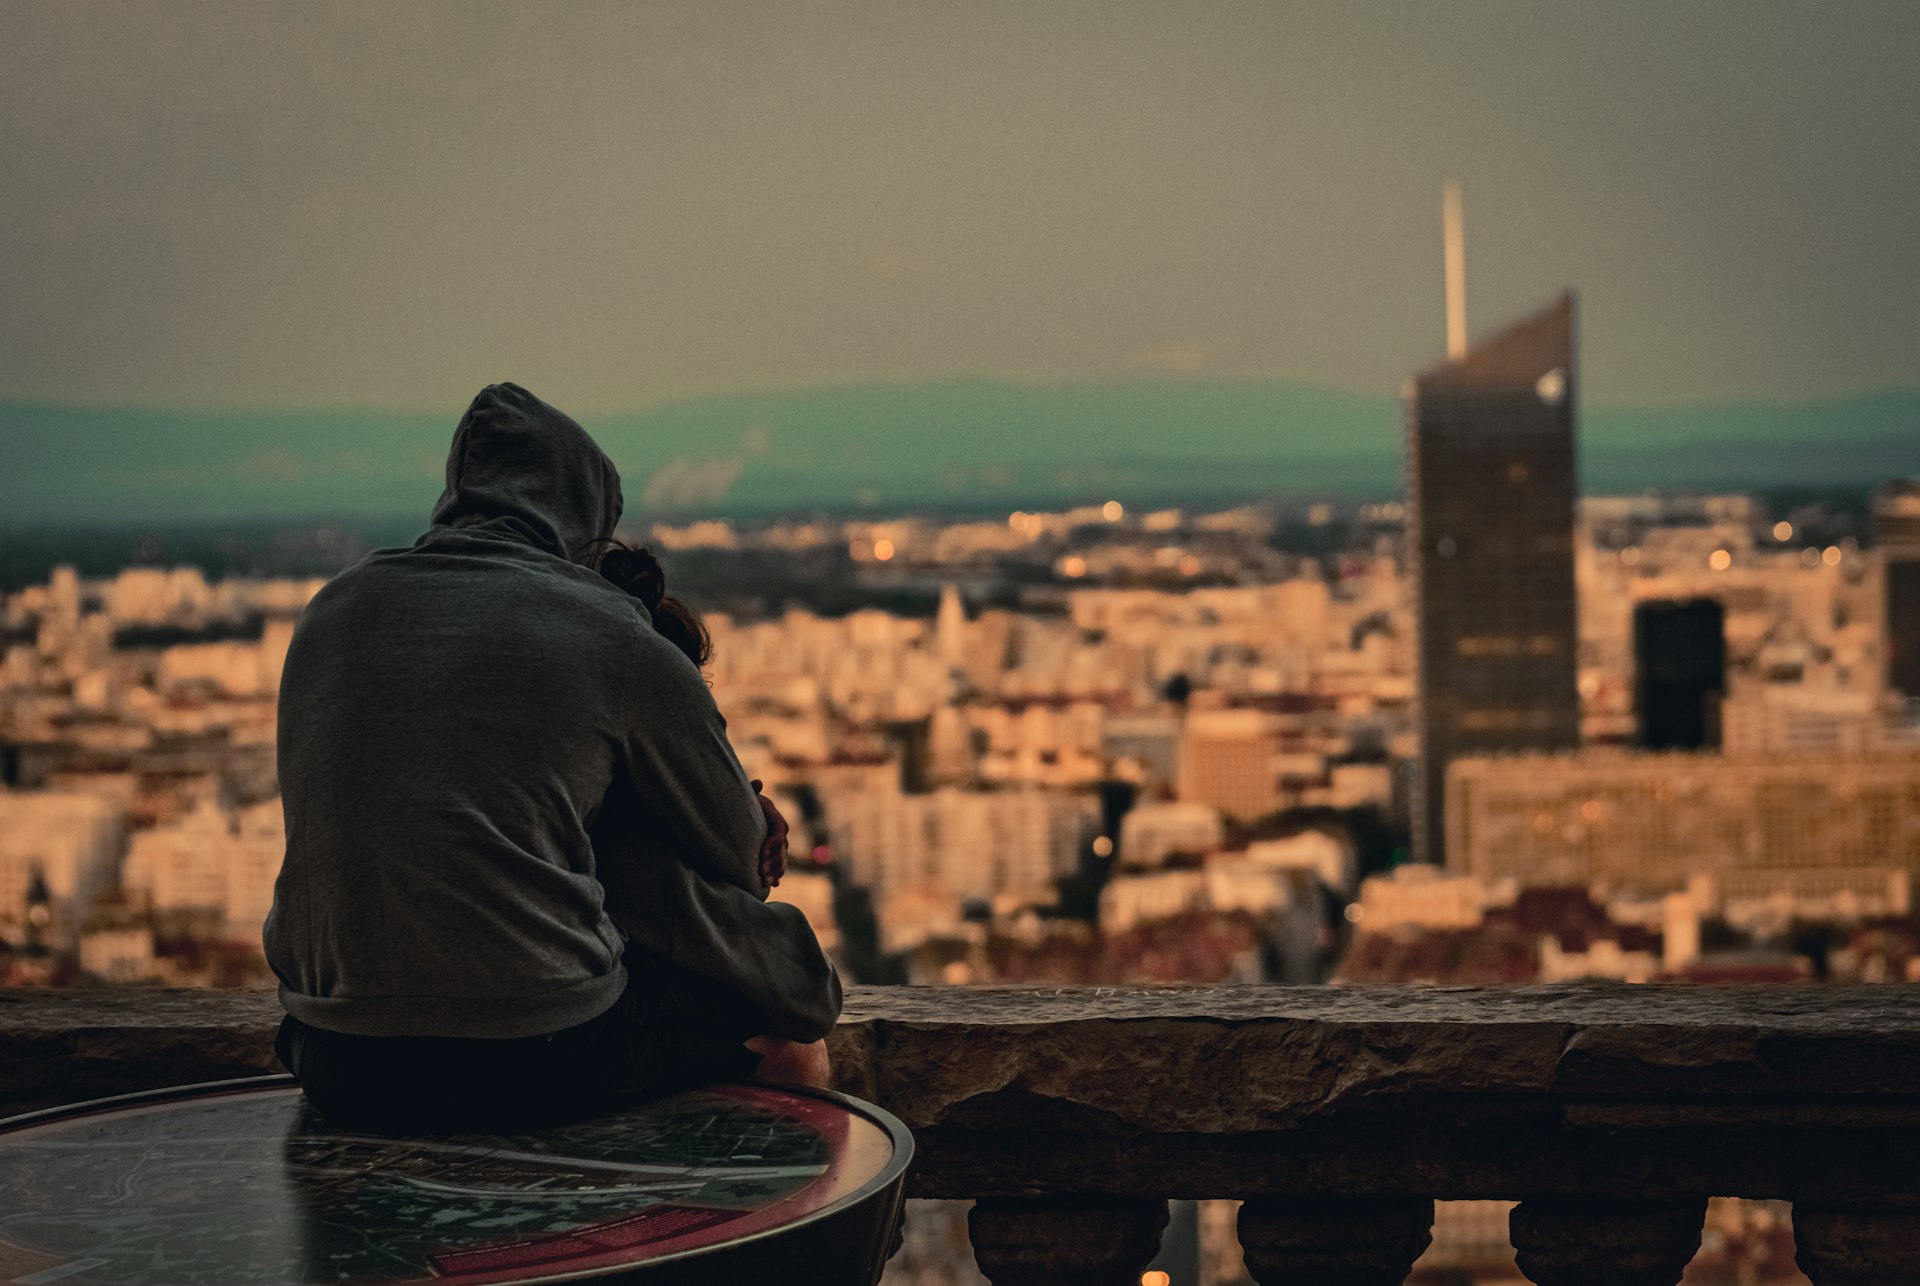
1896,520
1491,484
1647,822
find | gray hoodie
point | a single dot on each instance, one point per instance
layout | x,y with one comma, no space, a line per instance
495,773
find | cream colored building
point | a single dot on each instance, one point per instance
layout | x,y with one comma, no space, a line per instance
969,844
1603,958
1150,832
71,840
1131,900
116,944
1326,856
1770,900
1804,625
1226,883
1792,719
217,863
1418,896
1645,822
1243,884
1227,761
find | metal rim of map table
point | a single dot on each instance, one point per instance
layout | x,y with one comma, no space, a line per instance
890,1175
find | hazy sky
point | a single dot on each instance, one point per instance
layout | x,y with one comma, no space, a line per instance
389,204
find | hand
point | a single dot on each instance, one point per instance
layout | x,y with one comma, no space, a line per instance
773,849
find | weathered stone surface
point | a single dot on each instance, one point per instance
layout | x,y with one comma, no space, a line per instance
1277,1056
66,1046
1664,1092
1603,1241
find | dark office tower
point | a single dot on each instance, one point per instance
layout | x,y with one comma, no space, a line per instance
1490,455
1680,673
1896,530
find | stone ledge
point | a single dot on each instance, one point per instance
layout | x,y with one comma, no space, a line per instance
64,1046
1233,1091
1275,1056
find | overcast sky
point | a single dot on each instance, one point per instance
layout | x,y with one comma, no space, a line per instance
388,204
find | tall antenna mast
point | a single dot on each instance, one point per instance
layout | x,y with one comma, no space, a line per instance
1456,247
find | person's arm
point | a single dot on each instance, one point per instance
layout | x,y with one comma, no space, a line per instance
707,909
683,771
763,951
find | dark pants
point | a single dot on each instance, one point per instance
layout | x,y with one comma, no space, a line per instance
668,1031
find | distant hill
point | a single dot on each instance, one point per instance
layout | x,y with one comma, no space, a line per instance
954,445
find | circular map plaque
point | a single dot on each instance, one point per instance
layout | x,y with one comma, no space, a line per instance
241,1184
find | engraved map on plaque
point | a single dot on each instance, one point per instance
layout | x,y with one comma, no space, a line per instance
248,1186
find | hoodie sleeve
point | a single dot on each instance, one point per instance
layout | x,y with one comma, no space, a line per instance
687,777
764,952
692,892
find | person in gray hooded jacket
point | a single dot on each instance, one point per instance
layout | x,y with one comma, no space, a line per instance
524,866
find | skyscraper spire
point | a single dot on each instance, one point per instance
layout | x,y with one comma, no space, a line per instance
1453,234
950,627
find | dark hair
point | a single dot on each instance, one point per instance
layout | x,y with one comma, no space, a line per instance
639,573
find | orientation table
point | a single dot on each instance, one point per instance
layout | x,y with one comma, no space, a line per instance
241,1184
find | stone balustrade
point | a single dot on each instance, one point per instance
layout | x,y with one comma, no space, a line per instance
1337,1115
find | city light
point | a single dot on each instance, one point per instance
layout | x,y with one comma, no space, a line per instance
1023,523
883,550
1783,530
1830,555
1102,846
1720,560
1113,511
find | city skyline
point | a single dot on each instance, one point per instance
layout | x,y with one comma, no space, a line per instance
1128,748
1041,410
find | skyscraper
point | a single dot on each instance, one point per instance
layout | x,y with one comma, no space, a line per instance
1896,530
1491,483
1680,673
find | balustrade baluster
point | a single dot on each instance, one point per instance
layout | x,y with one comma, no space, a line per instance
1856,1247
1044,1241
1334,1241
1582,1242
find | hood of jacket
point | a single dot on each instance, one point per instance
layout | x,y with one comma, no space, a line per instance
523,469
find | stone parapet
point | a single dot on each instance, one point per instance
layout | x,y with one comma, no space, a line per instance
1609,1112
62,1046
